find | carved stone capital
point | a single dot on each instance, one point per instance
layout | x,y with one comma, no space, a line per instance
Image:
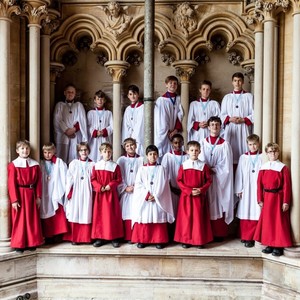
55,70
185,69
117,69
167,58
50,24
254,17
35,11
296,6
270,8
8,8
249,68
235,58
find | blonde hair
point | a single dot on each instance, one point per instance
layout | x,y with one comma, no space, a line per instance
22,143
49,146
129,140
105,146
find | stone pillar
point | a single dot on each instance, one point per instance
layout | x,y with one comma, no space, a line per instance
184,70
295,124
7,8
117,69
46,116
35,11
149,74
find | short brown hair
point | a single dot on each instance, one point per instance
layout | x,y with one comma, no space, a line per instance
22,143
171,78
253,138
129,140
104,146
273,146
193,144
83,144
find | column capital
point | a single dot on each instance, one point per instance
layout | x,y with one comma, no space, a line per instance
35,11
8,8
55,70
270,8
117,69
51,23
254,17
185,69
296,6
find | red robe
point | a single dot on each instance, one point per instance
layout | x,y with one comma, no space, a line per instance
107,221
26,223
273,228
193,218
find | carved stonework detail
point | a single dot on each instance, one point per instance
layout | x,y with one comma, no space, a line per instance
84,43
8,8
202,58
55,71
69,58
209,45
249,72
185,18
117,69
218,42
102,58
134,58
271,7
185,69
49,27
234,58
35,14
117,19
167,58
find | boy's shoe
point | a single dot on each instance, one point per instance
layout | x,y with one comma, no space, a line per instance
218,239
74,243
159,246
249,244
200,247
277,252
115,243
19,250
31,248
97,243
267,250
140,245
186,246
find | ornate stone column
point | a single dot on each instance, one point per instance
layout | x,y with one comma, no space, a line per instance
295,124
46,116
35,11
7,8
55,71
117,69
184,70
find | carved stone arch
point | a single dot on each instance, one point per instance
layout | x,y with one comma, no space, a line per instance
74,28
232,27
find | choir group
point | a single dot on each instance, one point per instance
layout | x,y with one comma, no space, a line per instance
79,194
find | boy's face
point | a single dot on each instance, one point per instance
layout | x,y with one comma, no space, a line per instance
70,94
194,152
272,154
253,146
152,157
99,102
177,144
205,91
106,154
133,97
172,86
84,153
23,151
130,148
237,83
214,128
48,154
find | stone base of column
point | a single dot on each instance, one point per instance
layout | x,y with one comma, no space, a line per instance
5,246
293,252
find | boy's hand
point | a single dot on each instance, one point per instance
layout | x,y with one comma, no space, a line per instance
99,133
203,124
38,202
129,189
261,204
196,191
70,132
151,198
240,195
15,205
285,207
107,188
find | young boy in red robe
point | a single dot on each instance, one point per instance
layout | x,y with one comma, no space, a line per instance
107,216
54,169
25,192
193,220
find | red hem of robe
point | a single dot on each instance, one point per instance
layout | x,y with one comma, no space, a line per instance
152,233
78,233
247,229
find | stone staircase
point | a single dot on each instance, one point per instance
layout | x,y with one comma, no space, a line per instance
225,270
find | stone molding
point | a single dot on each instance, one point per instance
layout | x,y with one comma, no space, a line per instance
185,69
117,69
35,11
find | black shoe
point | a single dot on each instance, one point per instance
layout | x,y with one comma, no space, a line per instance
115,243
31,248
249,244
267,250
19,250
74,243
277,252
141,246
243,241
97,243
218,239
186,246
200,247
159,246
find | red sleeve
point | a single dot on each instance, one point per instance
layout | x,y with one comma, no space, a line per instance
287,186
196,126
260,188
104,132
182,185
38,189
247,122
207,180
77,127
94,180
69,196
94,135
12,185
178,125
226,121
147,196
117,178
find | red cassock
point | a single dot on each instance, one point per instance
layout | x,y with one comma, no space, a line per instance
107,221
26,223
273,228
193,219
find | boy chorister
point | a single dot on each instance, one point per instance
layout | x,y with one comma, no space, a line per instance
53,216
25,192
